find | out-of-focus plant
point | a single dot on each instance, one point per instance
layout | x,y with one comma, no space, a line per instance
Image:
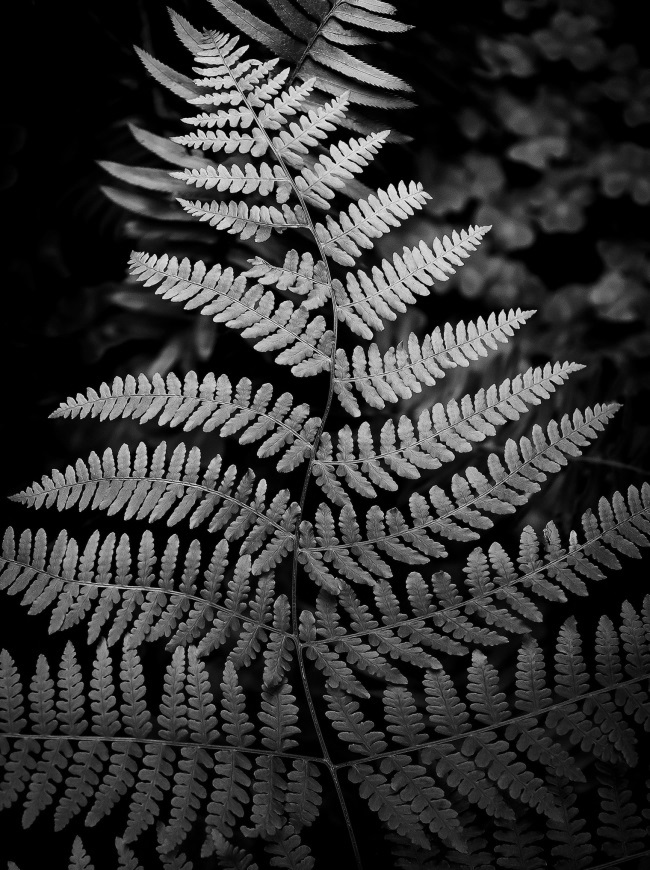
548,140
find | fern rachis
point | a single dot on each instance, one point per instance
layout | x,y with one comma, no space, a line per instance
272,590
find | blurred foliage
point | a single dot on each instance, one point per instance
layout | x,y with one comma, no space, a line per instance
542,129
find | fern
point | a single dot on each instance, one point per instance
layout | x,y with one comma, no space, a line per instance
212,404
314,38
306,666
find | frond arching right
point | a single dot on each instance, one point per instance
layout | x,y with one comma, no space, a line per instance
474,499
492,603
369,219
366,300
211,404
401,371
152,488
497,597
406,448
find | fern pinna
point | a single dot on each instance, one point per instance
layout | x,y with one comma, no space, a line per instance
325,648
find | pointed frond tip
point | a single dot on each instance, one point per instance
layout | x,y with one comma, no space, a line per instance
404,370
368,299
366,220
155,487
212,404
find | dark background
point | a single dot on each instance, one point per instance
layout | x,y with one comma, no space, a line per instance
537,125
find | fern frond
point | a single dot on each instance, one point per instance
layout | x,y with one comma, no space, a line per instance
253,143
166,149
308,130
574,847
304,342
303,793
438,434
212,404
288,851
149,179
402,371
263,180
493,576
316,48
621,829
155,487
298,274
169,78
79,858
473,497
246,221
455,768
519,845
93,760
122,595
472,730
366,300
276,114
367,220
320,182
572,681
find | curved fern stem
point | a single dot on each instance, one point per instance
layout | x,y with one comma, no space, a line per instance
308,477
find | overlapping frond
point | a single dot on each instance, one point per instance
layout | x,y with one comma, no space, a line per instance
404,370
298,274
102,744
155,487
310,129
301,340
314,38
405,449
488,748
367,299
211,404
